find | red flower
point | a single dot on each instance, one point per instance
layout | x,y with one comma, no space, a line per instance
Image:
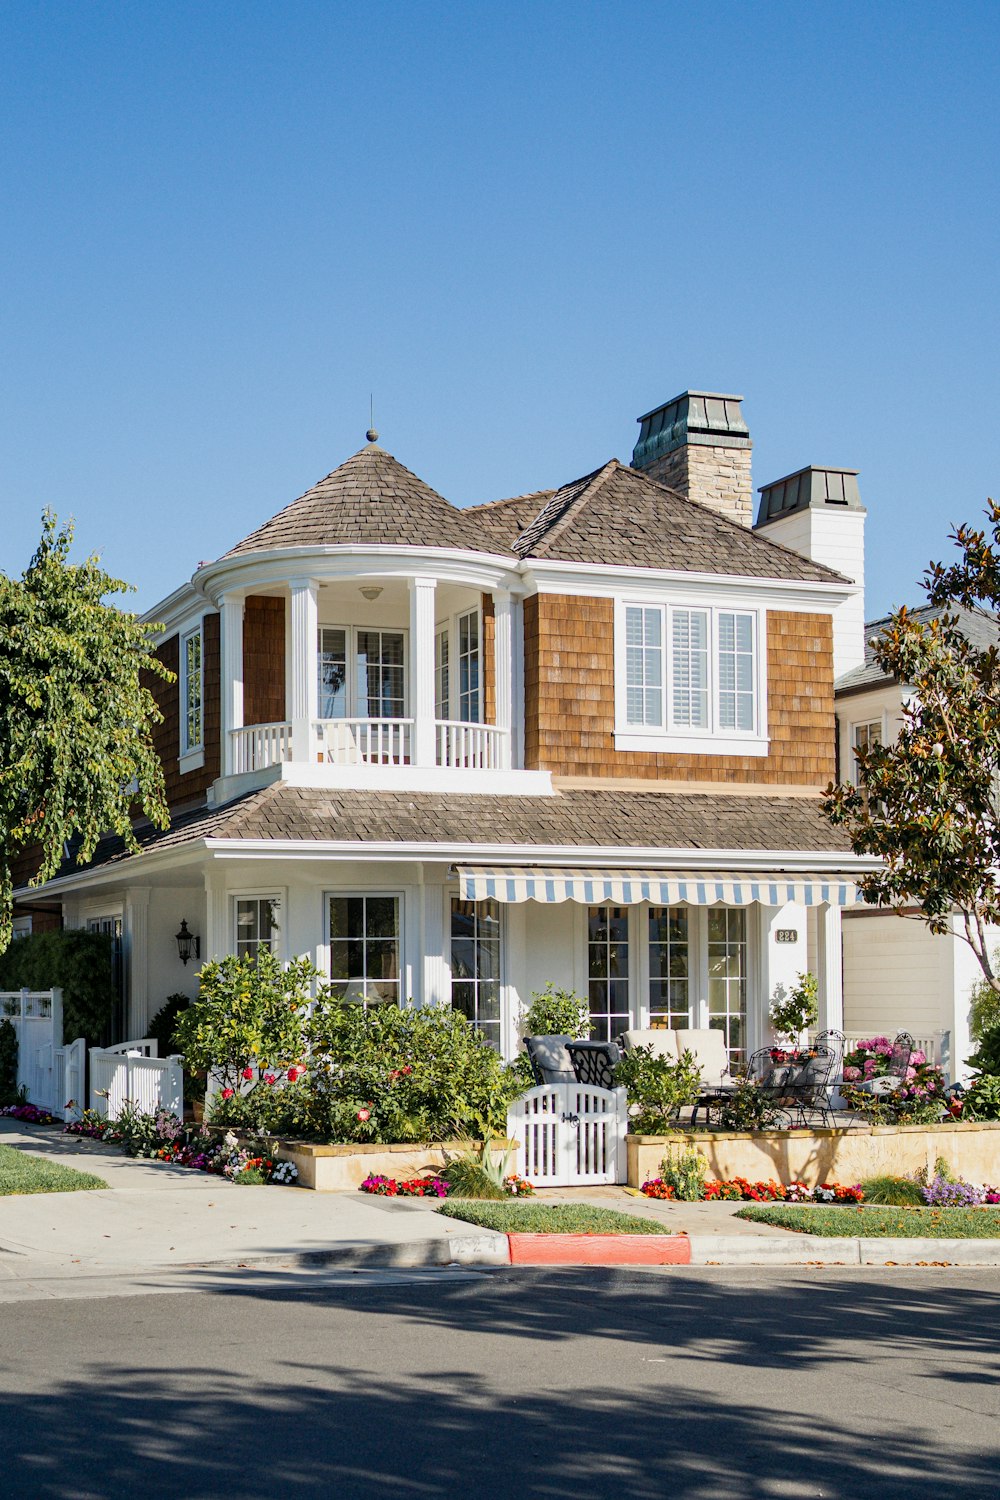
269,1078
248,1073
293,1073
364,1114
227,1093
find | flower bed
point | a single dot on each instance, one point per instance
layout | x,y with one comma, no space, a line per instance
739,1190
922,1095
31,1114
163,1137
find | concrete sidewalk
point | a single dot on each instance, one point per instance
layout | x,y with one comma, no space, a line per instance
154,1218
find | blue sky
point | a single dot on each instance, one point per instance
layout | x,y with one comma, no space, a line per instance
520,225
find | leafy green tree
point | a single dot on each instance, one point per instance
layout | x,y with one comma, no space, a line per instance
929,804
76,752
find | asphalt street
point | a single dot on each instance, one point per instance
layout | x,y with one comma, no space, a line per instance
692,1383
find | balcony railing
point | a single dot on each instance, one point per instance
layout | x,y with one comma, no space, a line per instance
260,745
370,742
364,742
478,745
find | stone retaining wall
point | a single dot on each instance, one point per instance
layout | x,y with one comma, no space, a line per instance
972,1151
339,1168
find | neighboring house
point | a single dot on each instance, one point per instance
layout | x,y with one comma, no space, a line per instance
452,754
896,972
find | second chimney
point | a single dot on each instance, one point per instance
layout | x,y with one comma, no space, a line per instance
699,445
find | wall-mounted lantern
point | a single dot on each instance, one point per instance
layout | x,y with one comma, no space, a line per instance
188,945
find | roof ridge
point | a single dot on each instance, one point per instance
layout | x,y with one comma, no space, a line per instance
589,485
508,500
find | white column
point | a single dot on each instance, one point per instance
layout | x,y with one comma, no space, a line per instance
216,941
503,669
829,967
423,749
137,938
231,611
785,957
435,913
303,673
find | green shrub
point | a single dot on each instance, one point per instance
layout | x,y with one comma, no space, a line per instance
984,1004
747,1107
78,963
555,1012
986,1058
8,1063
657,1087
685,1172
478,1174
794,1013
981,1100
393,1074
249,1014
161,1027
897,1192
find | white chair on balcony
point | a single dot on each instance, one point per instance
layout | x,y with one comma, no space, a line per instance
342,748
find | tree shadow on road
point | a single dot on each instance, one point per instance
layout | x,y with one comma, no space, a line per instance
409,1397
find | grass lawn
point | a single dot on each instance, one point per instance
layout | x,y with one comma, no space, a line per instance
21,1173
876,1222
522,1217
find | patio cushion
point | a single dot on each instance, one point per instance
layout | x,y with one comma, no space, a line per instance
709,1048
550,1059
662,1041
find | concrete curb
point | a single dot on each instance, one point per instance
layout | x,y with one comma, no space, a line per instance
491,1249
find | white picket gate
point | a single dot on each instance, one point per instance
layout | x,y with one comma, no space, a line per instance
132,1071
45,1068
570,1134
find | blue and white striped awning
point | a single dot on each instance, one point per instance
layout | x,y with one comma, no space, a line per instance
662,888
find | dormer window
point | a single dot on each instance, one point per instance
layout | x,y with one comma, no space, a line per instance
688,678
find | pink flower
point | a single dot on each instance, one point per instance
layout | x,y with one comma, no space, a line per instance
248,1073
918,1057
850,1073
269,1078
364,1114
227,1093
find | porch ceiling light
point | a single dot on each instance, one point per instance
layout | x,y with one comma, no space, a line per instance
188,944
371,591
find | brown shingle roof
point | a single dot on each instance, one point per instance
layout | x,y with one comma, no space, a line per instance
506,519
618,515
372,500
604,818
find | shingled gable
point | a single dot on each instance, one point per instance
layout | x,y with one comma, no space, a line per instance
618,515
371,500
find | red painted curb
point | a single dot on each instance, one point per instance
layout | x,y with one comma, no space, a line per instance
599,1249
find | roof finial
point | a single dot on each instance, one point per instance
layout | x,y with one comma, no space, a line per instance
371,434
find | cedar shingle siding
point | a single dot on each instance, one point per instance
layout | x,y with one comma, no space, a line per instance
570,700
263,660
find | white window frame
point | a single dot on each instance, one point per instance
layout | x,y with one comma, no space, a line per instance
667,737
873,720
270,893
351,648
346,893
450,628
192,754
503,987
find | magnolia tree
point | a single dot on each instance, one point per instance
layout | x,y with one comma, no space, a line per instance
76,753
929,803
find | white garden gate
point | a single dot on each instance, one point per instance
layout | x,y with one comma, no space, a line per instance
132,1072
50,1073
570,1134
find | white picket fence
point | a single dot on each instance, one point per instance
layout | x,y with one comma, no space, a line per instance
570,1134
52,1074
132,1071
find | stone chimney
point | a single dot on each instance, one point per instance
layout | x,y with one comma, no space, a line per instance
699,445
818,513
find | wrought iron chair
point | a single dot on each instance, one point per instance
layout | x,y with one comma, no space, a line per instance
808,1087
594,1063
759,1070
549,1059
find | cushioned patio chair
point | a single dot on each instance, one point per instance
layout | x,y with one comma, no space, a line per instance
549,1059
594,1062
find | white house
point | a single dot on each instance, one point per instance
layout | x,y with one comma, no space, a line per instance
452,754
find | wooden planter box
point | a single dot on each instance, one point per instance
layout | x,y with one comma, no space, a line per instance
971,1149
